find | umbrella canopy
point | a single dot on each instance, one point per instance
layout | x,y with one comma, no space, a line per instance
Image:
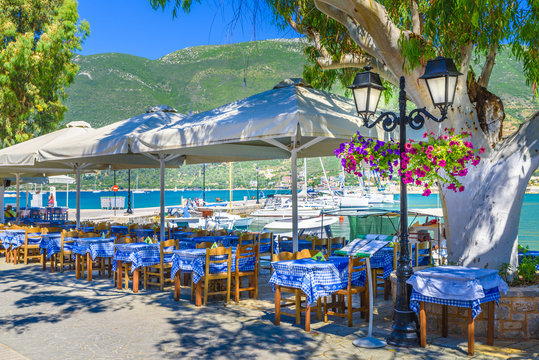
24,154
109,146
267,125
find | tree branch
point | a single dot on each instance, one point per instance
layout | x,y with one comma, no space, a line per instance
489,64
417,21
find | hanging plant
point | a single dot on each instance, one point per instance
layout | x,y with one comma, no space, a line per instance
444,158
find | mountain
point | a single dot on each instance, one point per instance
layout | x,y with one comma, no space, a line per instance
111,87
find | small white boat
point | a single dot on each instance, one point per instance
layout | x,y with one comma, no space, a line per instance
223,220
319,226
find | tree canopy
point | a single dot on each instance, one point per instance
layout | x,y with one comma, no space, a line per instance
39,38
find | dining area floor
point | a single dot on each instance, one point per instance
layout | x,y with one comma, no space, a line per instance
55,316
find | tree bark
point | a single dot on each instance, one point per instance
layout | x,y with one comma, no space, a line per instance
483,220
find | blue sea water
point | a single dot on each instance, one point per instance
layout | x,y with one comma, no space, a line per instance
528,230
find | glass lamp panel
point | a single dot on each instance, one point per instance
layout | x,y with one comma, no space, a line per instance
360,97
437,90
451,86
374,97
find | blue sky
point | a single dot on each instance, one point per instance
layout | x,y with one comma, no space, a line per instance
133,27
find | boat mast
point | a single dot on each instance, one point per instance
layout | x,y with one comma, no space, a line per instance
304,176
326,176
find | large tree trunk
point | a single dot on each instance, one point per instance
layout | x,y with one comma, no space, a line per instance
483,220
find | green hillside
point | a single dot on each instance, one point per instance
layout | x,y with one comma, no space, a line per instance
112,87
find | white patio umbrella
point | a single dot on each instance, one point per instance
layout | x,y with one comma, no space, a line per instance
19,159
109,147
289,121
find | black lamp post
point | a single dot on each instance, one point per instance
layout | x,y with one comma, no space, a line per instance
257,172
441,78
204,184
129,210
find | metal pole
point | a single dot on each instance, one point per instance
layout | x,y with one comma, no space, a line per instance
2,189
294,166
78,196
405,330
257,197
18,180
204,184
115,205
162,197
129,210
230,183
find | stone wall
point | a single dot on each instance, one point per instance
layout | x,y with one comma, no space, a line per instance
516,316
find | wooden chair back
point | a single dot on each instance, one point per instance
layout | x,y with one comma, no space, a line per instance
166,247
356,264
102,226
306,253
396,250
89,235
319,245
247,239
247,251
335,243
125,239
283,256
201,233
424,245
29,232
265,239
220,232
210,258
307,237
204,245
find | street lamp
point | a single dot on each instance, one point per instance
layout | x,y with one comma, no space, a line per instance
441,78
257,172
129,209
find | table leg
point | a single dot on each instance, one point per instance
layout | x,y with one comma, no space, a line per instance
444,320
53,262
119,270
8,251
198,293
77,266
422,324
490,331
277,304
89,267
471,333
308,318
135,280
177,286
44,259
387,288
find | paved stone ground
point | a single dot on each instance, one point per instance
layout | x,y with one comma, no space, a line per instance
55,316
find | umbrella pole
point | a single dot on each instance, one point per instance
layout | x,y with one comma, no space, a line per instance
18,180
162,197
293,161
78,197
2,188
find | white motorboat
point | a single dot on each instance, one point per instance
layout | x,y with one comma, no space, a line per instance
223,220
319,226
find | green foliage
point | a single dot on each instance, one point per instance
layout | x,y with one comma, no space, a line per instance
38,38
526,273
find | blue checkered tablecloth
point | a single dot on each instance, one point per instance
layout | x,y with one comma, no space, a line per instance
87,228
226,241
52,243
118,229
96,247
15,238
315,278
383,259
138,254
194,260
456,286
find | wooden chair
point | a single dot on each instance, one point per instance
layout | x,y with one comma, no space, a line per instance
204,245
265,240
424,245
335,243
51,230
29,251
306,253
126,239
101,227
396,250
84,235
283,238
320,245
201,233
246,252
161,270
247,239
298,295
354,265
210,277
220,232
65,256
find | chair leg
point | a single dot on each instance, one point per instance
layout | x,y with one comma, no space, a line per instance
25,255
228,283
237,281
319,309
350,310
145,277
256,286
206,281
298,307
325,309
162,279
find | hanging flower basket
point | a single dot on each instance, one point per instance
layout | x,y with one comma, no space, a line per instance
444,158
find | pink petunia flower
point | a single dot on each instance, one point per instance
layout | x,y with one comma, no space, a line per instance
442,163
426,192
